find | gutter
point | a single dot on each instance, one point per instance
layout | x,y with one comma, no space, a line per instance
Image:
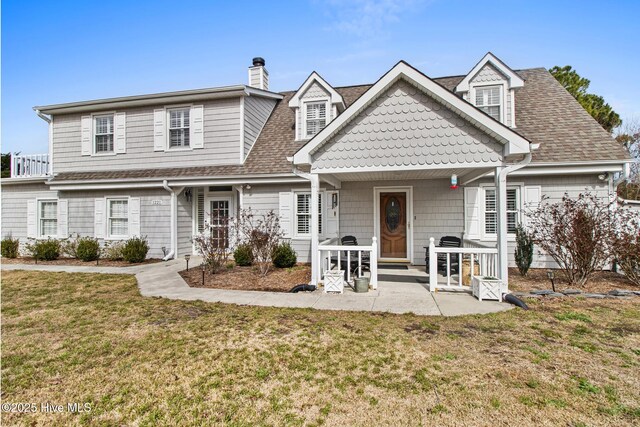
174,223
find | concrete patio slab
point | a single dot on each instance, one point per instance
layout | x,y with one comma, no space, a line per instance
392,296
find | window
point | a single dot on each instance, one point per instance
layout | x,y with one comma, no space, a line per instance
303,214
316,117
179,128
488,100
118,217
103,134
491,211
48,218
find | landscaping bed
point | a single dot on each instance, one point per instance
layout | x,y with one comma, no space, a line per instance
536,279
248,278
75,261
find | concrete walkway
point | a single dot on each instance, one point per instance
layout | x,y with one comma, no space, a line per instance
395,294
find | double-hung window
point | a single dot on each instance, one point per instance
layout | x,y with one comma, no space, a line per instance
491,211
179,128
48,218
488,100
118,218
103,133
316,118
303,214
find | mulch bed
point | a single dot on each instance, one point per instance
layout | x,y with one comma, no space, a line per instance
536,279
249,279
74,261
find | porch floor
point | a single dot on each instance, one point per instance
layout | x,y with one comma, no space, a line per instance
399,291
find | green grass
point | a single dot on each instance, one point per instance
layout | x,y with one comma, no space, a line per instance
150,361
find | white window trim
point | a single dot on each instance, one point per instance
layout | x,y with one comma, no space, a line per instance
307,236
93,134
38,225
503,96
303,115
167,113
107,217
490,237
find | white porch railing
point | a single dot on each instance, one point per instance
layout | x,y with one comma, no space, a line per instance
479,258
29,165
330,254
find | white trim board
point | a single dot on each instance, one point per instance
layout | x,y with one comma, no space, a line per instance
408,190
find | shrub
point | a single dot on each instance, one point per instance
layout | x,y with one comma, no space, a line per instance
262,234
284,256
9,247
575,232
69,246
243,256
113,251
135,249
47,250
213,244
626,244
87,249
524,250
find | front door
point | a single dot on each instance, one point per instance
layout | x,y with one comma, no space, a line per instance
393,225
219,217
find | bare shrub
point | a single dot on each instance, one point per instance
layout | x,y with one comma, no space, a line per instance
626,244
213,243
576,232
262,233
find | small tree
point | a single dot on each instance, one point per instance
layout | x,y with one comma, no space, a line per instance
575,232
213,243
524,250
262,233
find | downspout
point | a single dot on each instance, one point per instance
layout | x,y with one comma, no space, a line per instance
49,121
626,171
501,184
174,224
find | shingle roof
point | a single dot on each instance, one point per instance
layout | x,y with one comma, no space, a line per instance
546,114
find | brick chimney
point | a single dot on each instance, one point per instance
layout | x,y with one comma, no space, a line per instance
258,75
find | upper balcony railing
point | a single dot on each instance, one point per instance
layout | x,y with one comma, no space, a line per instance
29,165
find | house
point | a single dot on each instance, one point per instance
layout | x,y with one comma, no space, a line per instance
393,163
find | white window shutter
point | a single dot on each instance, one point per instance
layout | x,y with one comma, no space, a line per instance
32,225
196,127
120,124
332,215
472,212
532,198
159,130
286,213
99,218
134,216
63,219
85,137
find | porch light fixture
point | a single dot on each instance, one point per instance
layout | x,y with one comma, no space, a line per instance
334,200
454,182
164,251
603,176
247,187
188,195
551,275
186,258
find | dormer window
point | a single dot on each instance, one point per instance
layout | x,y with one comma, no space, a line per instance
316,114
488,100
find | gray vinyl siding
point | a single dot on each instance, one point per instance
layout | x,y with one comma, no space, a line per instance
405,127
256,112
155,218
221,142
554,188
262,199
14,207
185,224
437,210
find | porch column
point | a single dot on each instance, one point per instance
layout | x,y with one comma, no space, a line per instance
315,256
501,209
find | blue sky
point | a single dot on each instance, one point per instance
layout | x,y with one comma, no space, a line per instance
63,51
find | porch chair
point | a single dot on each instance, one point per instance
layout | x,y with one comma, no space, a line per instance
454,259
366,259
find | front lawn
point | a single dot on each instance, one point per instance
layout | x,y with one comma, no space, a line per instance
144,361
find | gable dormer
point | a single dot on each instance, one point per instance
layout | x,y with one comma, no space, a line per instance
490,86
315,104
